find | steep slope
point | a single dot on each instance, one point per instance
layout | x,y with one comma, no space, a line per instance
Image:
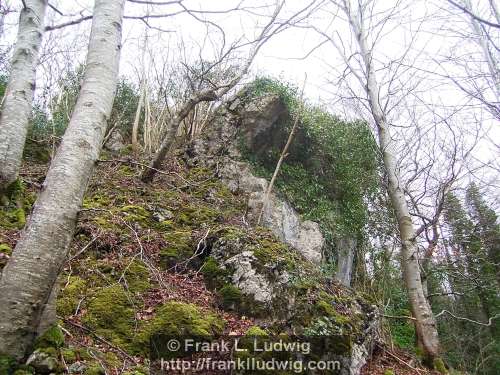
183,256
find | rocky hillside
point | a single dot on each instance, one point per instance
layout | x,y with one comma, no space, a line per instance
185,255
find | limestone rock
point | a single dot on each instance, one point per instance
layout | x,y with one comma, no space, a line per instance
246,278
278,214
42,362
77,368
115,142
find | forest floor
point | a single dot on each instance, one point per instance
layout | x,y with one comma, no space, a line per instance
99,355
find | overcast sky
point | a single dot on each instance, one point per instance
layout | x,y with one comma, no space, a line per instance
284,55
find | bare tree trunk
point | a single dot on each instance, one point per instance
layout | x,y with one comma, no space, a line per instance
16,107
172,128
421,310
142,87
40,254
135,126
208,95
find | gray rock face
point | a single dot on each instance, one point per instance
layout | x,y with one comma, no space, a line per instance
347,249
257,118
246,278
115,142
77,368
42,362
278,214
269,285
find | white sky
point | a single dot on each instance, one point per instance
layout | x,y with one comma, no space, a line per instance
279,57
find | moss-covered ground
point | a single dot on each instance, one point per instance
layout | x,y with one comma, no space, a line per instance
140,263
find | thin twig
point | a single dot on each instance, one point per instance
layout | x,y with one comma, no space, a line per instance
284,153
103,340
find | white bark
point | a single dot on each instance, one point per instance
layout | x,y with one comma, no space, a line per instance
16,107
421,310
135,126
40,254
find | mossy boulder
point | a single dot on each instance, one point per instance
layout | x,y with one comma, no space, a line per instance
53,337
231,296
213,273
70,296
178,319
111,314
136,275
179,248
256,331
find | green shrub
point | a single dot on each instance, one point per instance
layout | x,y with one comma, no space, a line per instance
332,166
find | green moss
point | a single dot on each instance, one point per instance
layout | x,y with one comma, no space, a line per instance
96,201
325,308
388,372
111,315
439,366
137,276
179,248
70,296
165,225
269,250
15,190
134,213
95,369
12,218
177,319
126,170
23,372
50,351
197,215
230,295
112,359
256,331
7,364
5,249
53,337
70,355
214,275
137,370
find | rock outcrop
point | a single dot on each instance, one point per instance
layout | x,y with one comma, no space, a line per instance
250,123
280,284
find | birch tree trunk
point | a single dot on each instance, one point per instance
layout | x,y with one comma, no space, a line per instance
40,254
420,307
16,107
